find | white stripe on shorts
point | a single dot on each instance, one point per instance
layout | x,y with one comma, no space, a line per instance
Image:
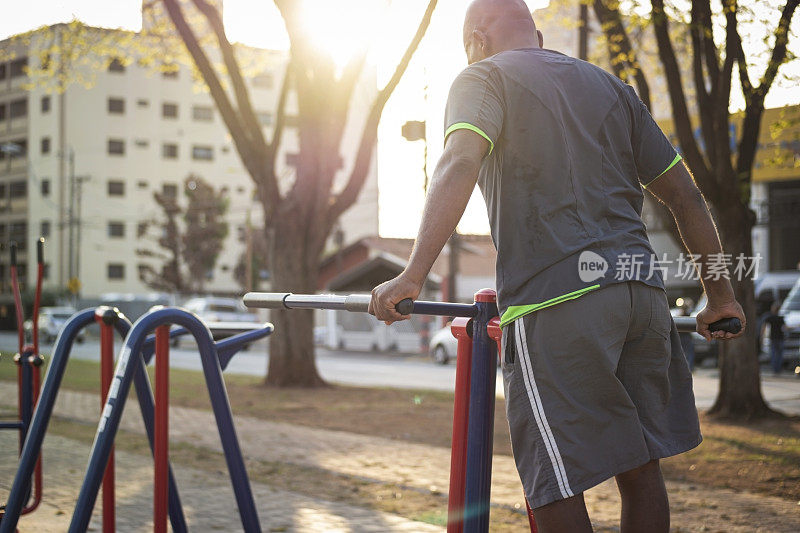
538,411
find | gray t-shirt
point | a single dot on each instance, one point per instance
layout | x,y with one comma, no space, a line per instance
570,148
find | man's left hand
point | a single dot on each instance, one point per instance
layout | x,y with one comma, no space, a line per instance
386,295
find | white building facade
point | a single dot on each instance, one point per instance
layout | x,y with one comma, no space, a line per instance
107,148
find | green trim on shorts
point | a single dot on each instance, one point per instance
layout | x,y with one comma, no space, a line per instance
674,162
516,311
470,127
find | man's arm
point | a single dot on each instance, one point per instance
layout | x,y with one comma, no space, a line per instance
450,189
677,190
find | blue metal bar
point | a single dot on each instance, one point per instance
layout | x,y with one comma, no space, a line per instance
112,413
227,348
11,425
444,309
144,393
41,417
480,429
44,410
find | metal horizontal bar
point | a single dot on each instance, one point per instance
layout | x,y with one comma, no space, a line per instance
11,425
357,303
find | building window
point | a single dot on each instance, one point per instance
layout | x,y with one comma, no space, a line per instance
143,102
169,110
116,271
45,145
169,151
116,65
2,71
45,104
18,189
46,271
116,188
44,228
142,143
264,118
18,67
169,190
45,187
116,147
18,108
116,106
2,112
141,184
265,80
203,153
3,190
204,113
15,148
116,230
170,71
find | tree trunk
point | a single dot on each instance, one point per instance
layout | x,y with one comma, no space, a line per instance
293,269
739,394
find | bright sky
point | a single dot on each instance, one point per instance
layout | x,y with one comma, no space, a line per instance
420,96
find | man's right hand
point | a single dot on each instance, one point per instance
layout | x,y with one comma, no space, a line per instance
717,311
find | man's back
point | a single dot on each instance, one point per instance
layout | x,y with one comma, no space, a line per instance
571,144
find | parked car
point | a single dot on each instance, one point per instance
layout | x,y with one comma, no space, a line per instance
51,321
443,346
223,316
790,311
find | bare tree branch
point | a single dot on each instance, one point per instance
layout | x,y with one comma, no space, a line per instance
247,151
704,99
369,135
280,114
779,50
680,114
611,22
246,112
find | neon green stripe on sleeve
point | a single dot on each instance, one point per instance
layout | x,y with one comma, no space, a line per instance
674,162
468,126
516,311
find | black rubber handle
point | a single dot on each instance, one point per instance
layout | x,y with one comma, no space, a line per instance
40,250
13,247
730,325
404,307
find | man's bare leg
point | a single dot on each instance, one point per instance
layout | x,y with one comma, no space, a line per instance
645,506
563,516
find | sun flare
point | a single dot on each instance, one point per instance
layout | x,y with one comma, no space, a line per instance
341,29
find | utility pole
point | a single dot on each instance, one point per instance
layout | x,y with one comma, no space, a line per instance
71,217
583,31
78,223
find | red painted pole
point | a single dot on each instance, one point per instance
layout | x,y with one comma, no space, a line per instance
161,431
106,376
462,330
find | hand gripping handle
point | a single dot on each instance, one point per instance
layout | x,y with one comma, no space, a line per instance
730,325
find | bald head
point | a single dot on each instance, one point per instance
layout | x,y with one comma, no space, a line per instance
493,26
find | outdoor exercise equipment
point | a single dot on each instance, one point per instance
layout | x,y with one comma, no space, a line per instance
109,320
477,329
28,362
215,357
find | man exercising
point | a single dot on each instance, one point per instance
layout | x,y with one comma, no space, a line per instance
595,381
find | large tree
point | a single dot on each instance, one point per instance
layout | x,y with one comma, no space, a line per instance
299,218
722,169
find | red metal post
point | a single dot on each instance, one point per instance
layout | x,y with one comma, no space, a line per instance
462,330
161,431
106,377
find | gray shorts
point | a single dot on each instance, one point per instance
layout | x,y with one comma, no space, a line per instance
594,387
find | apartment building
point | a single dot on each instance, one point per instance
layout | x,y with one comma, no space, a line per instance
105,147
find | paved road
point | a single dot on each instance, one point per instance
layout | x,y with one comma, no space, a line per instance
416,372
